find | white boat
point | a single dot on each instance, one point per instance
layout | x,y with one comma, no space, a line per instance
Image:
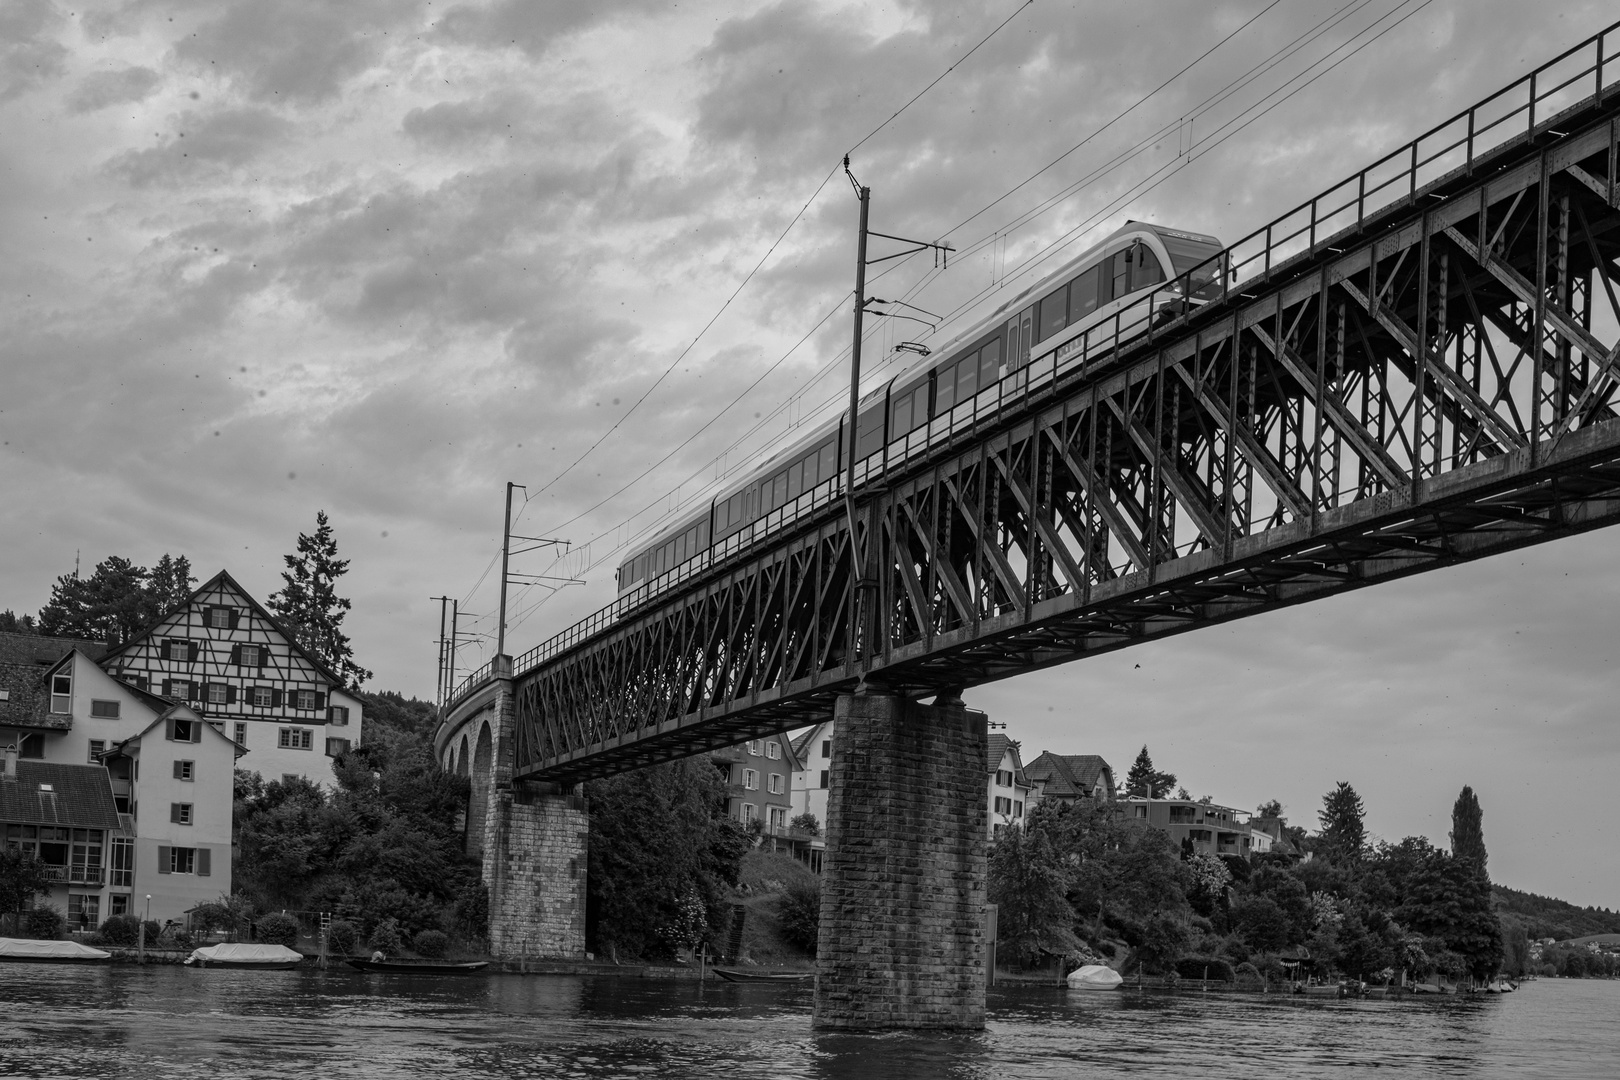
30,951
242,954
1094,977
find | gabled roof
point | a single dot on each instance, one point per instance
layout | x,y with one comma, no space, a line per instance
79,796
1068,775
801,745
24,661
996,747
181,711
223,578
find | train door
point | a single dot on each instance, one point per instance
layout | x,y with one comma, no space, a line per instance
1020,339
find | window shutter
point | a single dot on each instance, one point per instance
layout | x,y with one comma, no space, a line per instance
236,617
264,654
191,651
320,701
177,771
236,653
168,725
165,859
275,699
230,695
174,807
168,687
196,730
203,860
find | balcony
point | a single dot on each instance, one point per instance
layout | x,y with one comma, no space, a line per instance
74,875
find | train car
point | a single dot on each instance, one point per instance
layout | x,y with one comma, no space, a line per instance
1104,286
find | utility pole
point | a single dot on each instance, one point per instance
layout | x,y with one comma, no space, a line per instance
860,545
444,694
538,542
506,545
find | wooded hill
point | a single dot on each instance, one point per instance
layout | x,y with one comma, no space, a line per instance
1547,917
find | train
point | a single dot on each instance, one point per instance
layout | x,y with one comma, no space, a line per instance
1177,269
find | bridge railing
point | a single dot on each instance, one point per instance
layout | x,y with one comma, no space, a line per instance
1393,180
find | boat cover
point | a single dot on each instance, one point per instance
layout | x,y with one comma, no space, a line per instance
1094,977
242,952
26,949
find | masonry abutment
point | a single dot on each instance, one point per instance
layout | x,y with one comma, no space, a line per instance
534,848
903,886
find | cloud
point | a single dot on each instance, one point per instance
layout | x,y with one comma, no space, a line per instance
29,56
205,145
533,28
103,88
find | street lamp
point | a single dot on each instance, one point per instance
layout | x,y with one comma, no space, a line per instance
140,938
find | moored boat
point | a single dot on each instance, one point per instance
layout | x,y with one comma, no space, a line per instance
31,951
242,954
764,976
421,967
1094,977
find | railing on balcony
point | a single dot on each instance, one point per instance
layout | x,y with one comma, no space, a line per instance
74,875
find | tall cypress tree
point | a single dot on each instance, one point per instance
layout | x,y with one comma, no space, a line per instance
1468,828
308,607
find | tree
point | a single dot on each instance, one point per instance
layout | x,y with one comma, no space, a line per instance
1449,900
1344,832
23,876
308,607
1028,883
12,623
1144,780
1270,808
117,601
1467,828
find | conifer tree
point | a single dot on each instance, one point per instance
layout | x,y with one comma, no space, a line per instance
308,607
1467,828
1344,832
1144,776
117,601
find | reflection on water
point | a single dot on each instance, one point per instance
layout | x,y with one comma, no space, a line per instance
174,1022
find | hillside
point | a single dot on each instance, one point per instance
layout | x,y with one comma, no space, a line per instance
1546,917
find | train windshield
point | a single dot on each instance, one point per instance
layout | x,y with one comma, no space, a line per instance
1197,257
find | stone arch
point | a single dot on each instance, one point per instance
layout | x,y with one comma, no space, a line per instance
483,759
461,758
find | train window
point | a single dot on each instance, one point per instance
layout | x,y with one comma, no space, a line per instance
778,489
810,477
1121,274
795,485
1147,270
990,363
945,390
829,460
1054,314
899,416
1083,295
967,377
680,549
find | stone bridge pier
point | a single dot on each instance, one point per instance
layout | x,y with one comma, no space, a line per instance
532,837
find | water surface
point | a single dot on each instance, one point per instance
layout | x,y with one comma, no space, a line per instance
173,1022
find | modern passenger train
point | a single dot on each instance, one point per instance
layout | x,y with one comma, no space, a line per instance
1088,291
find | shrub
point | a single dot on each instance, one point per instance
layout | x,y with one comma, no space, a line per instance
342,936
180,939
1248,977
278,930
121,930
798,911
154,930
431,943
209,917
806,823
45,922
385,938
1193,967
472,909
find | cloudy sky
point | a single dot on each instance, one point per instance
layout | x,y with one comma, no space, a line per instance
379,258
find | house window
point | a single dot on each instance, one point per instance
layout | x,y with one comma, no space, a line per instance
751,779
753,747
304,699
1004,778
187,731
750,811
61,693
259,697
249,656
180,814
338,714
334,747
1141,811
219,618
1003,805
823,778
241,734
123,863
826,750
107,710
118,904
32,746
774,783
218,694
84,911
185,770
177,650
97,748
778,819
292,738
773,751
1018,808
182,860
177,689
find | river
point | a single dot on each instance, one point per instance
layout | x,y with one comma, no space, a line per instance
156,1022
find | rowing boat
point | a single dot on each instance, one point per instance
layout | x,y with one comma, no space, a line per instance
763,976
421,967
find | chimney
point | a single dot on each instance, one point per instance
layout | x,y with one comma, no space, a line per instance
10,772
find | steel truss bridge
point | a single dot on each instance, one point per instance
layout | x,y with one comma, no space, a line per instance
1416,368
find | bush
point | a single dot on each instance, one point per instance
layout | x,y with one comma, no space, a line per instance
806,823
798,911
206,918
472,909
180,939
1193,967
1248,977
431,943
385,938
121,930
154,930
342,936
45,923
278,930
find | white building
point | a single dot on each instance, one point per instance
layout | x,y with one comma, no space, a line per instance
223,654
1007,793
812,748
